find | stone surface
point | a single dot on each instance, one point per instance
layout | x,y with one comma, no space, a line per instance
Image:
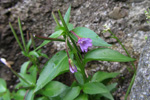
141,87
118,13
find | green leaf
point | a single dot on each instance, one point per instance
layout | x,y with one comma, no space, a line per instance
56,65
29,44
57,33
6,96
33,73
54,35
94,88
79,77
53,89
97,88
24,67
100,76
20,94
87,33
67,15
16,37
82,97
29,78
70,26
34,53
108,95
105,54
30,95
42,54
42,98
22,35
111,87
3,87
72,93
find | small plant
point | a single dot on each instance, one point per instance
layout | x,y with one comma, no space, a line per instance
77,40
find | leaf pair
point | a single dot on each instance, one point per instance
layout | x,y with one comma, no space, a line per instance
4,92
95,86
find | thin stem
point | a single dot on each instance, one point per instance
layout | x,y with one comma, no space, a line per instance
133,78
130,86
76,48
122,47
15,35
46,38
74,34
21,32
55,19
79,60
76,54
19,76
67,48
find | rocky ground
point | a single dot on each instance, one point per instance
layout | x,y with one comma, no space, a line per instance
126,19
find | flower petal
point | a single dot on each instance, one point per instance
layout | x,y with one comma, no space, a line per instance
84,43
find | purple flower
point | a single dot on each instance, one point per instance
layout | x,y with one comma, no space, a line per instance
72,67
84,43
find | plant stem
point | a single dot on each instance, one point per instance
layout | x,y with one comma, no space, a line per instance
130,86
46,38
114,36
76,49
133,78
79,60
75,34
33,42
15,35
75,44
19,76
67,48
21,32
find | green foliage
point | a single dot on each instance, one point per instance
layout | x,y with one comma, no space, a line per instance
30,95
105,54
87,33
38,84
82,97
3,87
79,77
6,95
101,76
56,65
97,88
53,89
54,35
4,92
67,15
71,93
19,95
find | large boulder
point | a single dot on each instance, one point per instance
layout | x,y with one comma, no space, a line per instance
141,87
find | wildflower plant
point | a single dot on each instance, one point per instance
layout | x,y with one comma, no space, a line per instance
38,84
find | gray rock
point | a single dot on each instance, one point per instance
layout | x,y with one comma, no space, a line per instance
144,28
137,1
118,13
106,35
141,87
